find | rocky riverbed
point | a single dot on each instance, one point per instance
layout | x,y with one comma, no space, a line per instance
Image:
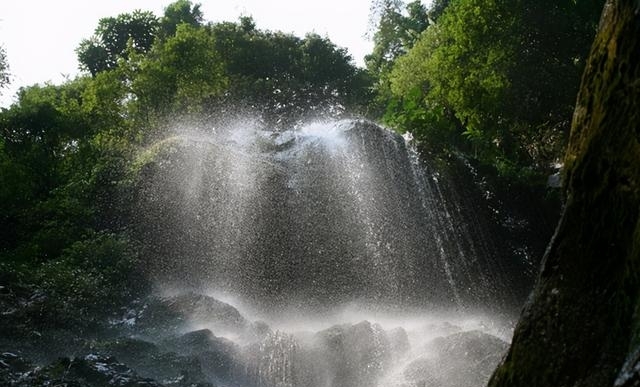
192,339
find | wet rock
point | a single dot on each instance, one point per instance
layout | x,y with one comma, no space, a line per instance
127,347
219,358
12,367
169,316
464,359
194,342
283,360
629,375
90,371
148,360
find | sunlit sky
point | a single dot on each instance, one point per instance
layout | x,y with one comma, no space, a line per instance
40,36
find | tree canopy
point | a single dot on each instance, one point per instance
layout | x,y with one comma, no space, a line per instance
115,37
180,12
496,78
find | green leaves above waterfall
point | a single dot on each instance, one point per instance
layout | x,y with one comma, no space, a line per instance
180,64
495,79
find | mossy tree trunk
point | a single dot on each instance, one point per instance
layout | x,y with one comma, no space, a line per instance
579,326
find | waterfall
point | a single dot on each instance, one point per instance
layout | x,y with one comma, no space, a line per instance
316,216
275,362
374,265
320,215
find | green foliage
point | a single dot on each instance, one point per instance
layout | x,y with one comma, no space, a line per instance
92,277
42,128
61,183
398,27
181,73
431,127
194,69
104,103
180,12
62,202
505,74
52,157
466,69
284,74
437,8
112,38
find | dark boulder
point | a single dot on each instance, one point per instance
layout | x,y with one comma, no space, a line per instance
150,361
168,316
219,358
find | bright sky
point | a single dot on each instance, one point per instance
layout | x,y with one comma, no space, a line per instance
40,36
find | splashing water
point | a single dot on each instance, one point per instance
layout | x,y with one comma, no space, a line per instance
313,220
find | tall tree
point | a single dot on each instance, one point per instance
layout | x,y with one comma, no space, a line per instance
398,26
111,39
581,325
180,73
285,74
504,73
460,64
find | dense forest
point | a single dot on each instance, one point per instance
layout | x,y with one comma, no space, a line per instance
490,81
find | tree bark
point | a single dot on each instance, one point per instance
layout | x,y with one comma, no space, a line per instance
581,321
